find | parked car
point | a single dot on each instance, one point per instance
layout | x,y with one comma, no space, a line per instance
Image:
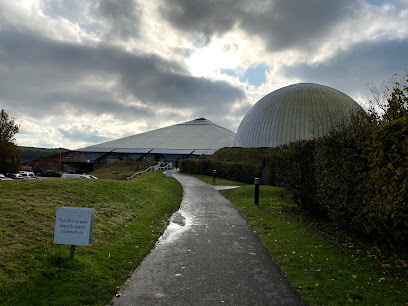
27,174
73,175
15,176
4,178
52,173
38,172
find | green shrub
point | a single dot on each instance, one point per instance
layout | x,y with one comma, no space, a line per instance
342,179
357,175
237,164
292,167
229,170
242,155
387,153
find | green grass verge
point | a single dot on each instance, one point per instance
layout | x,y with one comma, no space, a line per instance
218,181
121,170
129,218
323,270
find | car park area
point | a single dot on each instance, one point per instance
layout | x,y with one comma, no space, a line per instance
47,175
4,178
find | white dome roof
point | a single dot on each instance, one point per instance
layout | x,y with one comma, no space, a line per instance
292,113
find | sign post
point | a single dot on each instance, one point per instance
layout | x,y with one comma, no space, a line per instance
74,226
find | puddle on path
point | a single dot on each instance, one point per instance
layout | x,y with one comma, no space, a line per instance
178,224
218,187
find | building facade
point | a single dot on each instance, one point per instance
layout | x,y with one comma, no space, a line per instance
169,144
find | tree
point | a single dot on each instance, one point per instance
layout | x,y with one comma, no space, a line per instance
9,154
389,101
387,153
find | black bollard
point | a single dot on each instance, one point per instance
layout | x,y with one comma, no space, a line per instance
214,175
71,255
257,182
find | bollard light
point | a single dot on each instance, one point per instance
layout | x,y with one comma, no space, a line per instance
214,175
257,182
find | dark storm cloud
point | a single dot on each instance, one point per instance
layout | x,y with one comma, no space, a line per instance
85,132
374,62
281,24
121,19
182,91
203,17
45,77
122,16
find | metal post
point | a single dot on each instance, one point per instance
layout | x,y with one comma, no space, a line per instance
214,175
72,251
257,182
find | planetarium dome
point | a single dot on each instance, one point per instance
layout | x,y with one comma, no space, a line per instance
296,112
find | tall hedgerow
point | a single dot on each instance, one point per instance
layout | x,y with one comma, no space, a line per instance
292,167
356,176
387,155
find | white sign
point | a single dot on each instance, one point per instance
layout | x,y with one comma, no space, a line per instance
74,225
169,173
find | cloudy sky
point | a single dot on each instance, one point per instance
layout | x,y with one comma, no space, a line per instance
79,72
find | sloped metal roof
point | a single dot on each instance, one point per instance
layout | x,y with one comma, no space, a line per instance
196,134
130,150
96,150
204,152
171,151
292,113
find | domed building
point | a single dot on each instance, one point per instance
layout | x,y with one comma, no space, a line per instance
296,112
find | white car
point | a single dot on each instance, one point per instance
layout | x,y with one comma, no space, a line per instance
27,174
73,175
3,178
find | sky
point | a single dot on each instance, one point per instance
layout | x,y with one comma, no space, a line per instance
79,72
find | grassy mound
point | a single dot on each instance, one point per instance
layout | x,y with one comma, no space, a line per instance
121,170
129,218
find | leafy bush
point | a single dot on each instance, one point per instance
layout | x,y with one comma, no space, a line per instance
292,167
242,155
237,164
387,153
342,180
356,176
229,170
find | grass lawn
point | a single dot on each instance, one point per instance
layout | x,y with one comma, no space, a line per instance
326,269
218,181
121,170
129,218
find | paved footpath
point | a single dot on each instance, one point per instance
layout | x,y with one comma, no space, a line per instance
209,255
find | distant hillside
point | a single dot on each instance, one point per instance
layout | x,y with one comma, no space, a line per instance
33,153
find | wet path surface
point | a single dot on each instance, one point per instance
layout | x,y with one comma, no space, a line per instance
209,255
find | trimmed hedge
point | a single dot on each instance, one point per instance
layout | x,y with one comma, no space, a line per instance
387,153
357,176
342,180
292,167
241,155
230,170
238,164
